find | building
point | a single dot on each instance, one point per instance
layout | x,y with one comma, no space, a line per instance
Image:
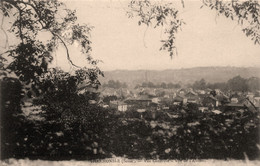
141,101
192,97
121,106
210,101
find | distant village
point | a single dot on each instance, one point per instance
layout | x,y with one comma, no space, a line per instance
142,99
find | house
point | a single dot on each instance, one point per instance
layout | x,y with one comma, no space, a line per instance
202,109
109,92
113,104
218,91
217,111
250,96
192,97
156,99
208,90
249,105
154,106
141,101
181,91
121,106
179,99
105,106
243,103
234,100
92,102
234,106
210,101
222,98
166,101
256,102
165,108
202,92
141,110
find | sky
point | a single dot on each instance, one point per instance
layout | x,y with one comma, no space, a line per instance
205,40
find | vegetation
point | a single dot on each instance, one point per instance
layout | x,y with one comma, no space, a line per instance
182,133
161,85
165,14
237,83
26,78
115,84
189,134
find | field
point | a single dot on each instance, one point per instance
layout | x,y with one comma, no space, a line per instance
126,162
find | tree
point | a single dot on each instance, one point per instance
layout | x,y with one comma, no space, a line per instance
27,60
246,13
218,85
158,14
150,85
24,69
115,84
199,84
10,106
170,85
30,19
253,84
237,84
154,14
163,85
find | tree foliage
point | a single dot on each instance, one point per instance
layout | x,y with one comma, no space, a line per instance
153,13
26,76
246,13
158,14
115,84
31,19
199,84
236,83
163,85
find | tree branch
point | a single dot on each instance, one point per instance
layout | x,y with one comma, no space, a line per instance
1,27
20,16
145,36
40,20
67,50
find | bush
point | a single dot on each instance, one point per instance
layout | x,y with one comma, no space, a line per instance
193,135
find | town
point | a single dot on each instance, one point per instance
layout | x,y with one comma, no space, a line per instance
143,98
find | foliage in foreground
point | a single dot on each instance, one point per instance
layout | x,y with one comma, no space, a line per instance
74,129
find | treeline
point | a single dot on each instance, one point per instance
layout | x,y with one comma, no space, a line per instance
160,85
115,84
234,84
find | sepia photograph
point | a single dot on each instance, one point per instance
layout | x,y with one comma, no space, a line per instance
129,82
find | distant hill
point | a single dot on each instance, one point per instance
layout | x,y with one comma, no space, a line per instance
184,76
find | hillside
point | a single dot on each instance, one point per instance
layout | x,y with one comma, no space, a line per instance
189,75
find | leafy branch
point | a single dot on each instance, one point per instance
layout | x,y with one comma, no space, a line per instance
246,13
34,13
158,14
